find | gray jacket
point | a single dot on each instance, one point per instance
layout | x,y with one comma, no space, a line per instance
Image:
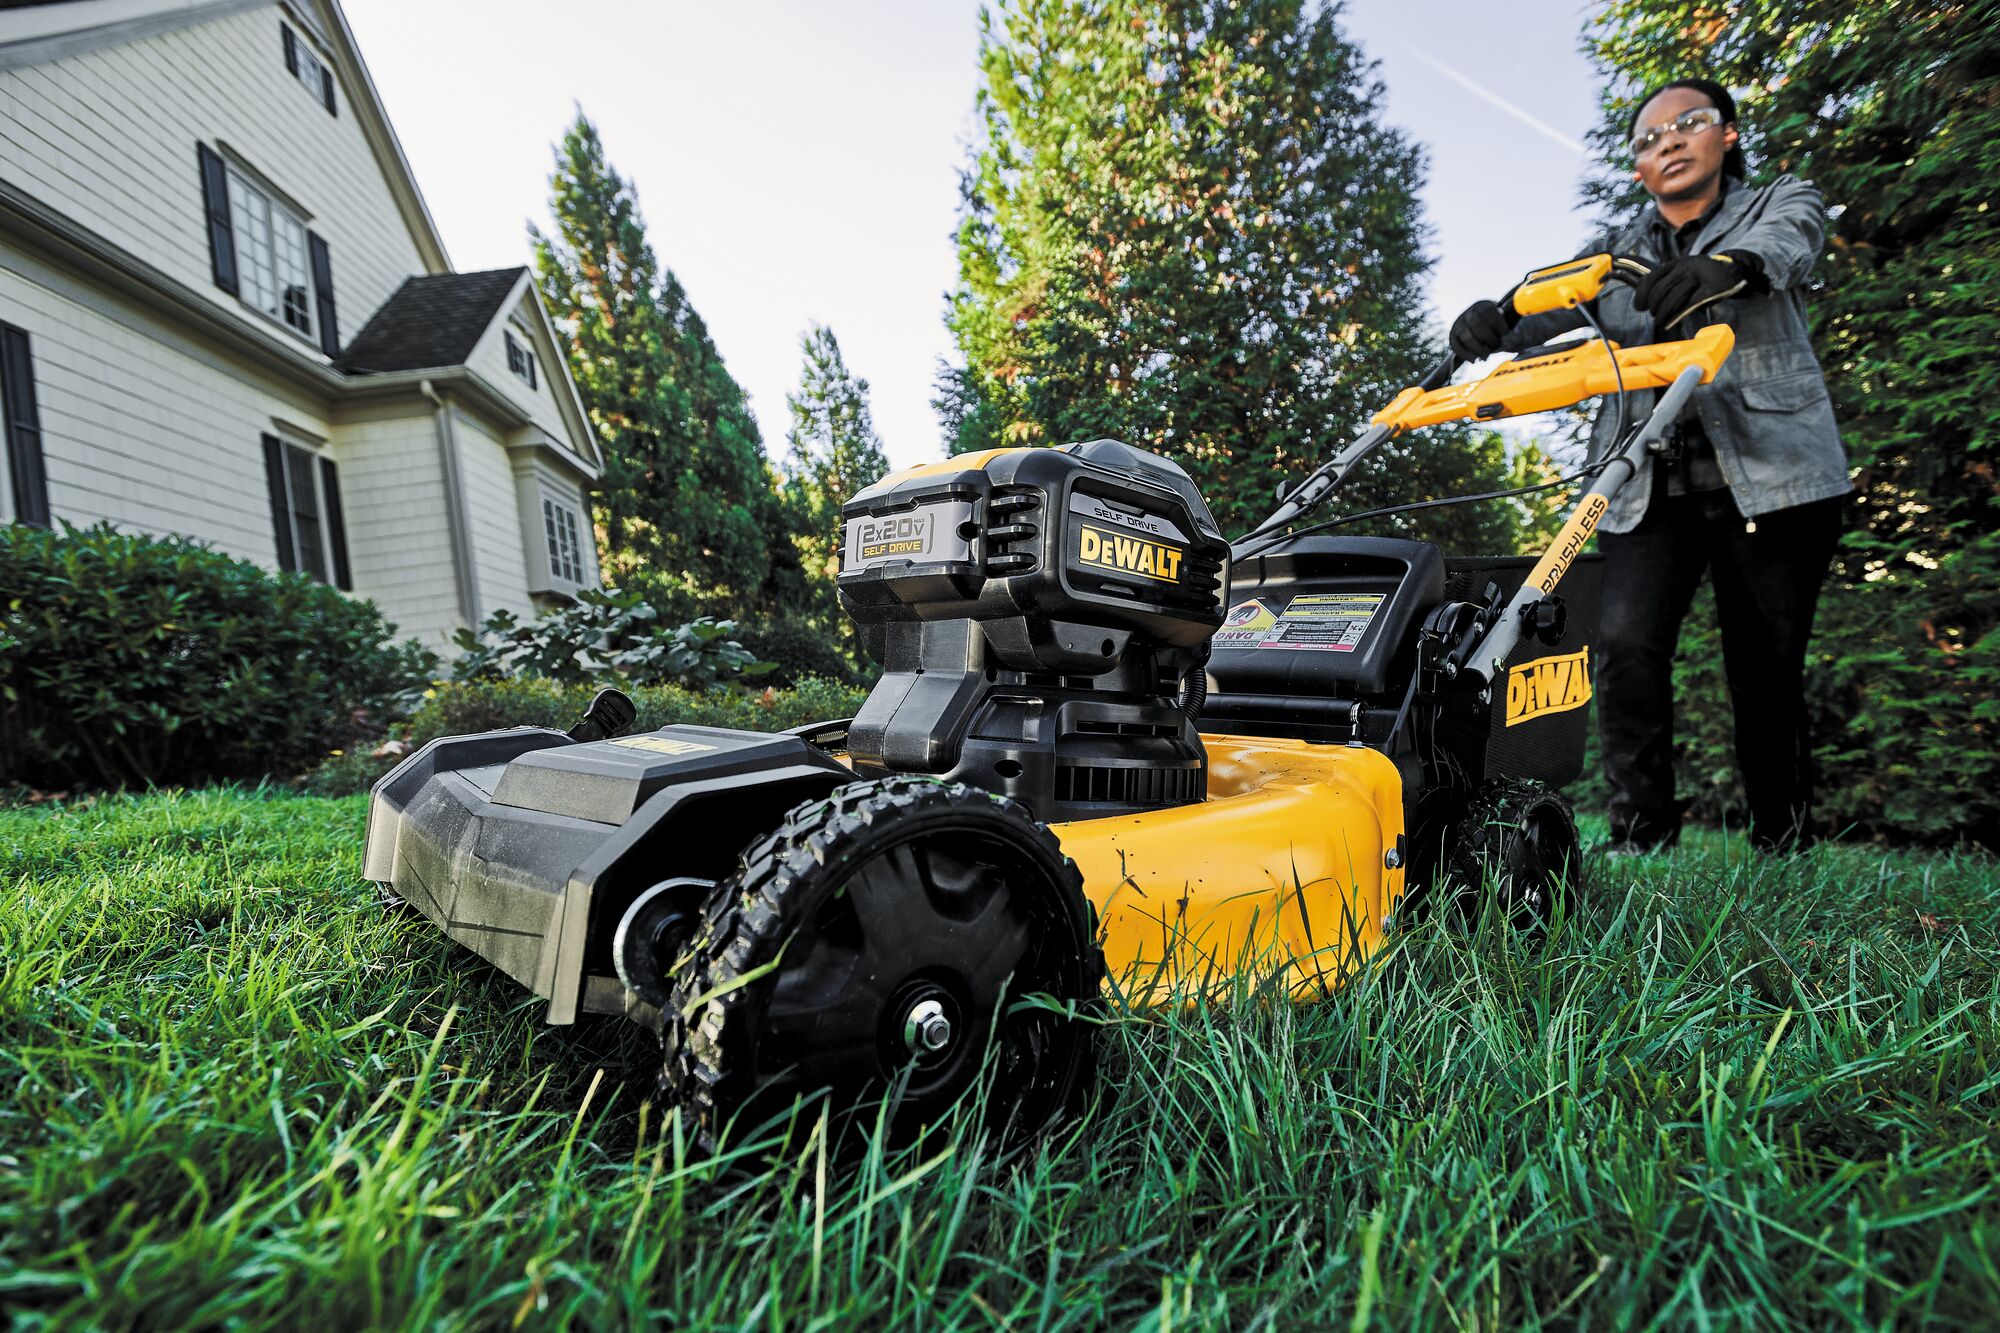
1767,410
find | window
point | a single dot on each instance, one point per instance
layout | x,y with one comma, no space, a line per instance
308,69
519,359
272,273
305,512
559,524
21,429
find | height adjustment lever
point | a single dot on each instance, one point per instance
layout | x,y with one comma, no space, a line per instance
1546,619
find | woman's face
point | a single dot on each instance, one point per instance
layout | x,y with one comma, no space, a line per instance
1680,165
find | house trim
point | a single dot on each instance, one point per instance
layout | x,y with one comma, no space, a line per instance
57,31
48,232
54,32
82,249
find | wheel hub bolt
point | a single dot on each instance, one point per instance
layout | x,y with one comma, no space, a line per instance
926,1028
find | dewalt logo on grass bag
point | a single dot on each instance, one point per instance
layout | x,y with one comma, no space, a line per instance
1548,685
1127,554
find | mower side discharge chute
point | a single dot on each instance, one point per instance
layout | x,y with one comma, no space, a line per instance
527,847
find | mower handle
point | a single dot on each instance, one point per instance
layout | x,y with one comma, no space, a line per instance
1558,286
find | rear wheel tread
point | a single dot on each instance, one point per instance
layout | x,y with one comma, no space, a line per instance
746,922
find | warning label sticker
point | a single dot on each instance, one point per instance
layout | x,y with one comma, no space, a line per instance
1245,625
1332,622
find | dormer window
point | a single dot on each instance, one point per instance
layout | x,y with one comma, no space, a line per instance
308,68
519,359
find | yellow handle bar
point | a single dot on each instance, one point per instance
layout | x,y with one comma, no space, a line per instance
1558,378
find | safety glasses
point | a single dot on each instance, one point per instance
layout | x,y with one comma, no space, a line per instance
1687,124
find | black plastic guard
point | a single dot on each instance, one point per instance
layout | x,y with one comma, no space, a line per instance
527,847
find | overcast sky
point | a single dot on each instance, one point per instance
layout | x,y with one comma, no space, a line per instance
798,161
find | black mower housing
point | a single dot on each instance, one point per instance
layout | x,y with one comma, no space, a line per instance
527,847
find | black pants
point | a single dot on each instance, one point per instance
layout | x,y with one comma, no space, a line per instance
1767,583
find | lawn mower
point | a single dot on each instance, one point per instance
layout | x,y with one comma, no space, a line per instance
1108,749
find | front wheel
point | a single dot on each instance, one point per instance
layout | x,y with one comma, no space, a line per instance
1519,840
879,943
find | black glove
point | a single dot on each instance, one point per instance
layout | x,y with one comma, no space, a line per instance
1479,331
1682,286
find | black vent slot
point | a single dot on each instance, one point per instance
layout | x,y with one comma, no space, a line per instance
1011,533
1082,784
1099,728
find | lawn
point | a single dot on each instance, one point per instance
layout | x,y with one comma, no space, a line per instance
1723,1093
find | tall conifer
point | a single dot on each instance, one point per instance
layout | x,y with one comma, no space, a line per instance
686,500
834,449
1186,227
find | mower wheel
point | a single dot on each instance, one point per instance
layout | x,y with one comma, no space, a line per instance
878,944
1521,837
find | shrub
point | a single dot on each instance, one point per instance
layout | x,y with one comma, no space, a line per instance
455,708
605,635
799,649
128,660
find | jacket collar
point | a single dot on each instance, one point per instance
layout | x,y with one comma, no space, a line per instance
1720,217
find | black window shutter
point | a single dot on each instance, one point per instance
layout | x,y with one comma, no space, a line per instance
24,429
291,49
281,504
336,526
531,367
326,89
322,265
215,199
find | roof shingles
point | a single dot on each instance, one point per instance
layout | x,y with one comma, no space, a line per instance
430,322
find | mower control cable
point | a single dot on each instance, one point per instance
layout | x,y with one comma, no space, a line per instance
1326,479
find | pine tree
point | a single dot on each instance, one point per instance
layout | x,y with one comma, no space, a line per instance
1893,110
1186,228
835,452
685,507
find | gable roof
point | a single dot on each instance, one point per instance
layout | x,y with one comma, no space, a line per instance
430,322
54,29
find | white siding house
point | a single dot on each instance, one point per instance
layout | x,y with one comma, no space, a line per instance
225,313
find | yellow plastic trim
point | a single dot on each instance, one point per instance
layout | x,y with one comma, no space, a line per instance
1516,388
972,462
1561,285
1281,869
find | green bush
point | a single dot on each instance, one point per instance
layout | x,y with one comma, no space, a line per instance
607,635
1903,721
128,660
454,708
799,649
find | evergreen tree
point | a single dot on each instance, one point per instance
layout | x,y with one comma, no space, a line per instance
685,508
1185,227
834,451
1893,110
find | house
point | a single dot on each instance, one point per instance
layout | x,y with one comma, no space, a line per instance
225,312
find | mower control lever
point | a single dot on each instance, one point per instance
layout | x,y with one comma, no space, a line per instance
609,714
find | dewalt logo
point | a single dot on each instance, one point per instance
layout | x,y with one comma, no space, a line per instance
1129,555
1548,685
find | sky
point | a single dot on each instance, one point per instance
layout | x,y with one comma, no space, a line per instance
797,162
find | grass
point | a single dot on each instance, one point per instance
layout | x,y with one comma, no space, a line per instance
1723,1093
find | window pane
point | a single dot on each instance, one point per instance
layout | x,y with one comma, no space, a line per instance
302,478
250,218
294,278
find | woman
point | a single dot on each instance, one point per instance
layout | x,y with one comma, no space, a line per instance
1751,491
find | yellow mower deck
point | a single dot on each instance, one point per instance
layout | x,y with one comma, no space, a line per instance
1284,866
